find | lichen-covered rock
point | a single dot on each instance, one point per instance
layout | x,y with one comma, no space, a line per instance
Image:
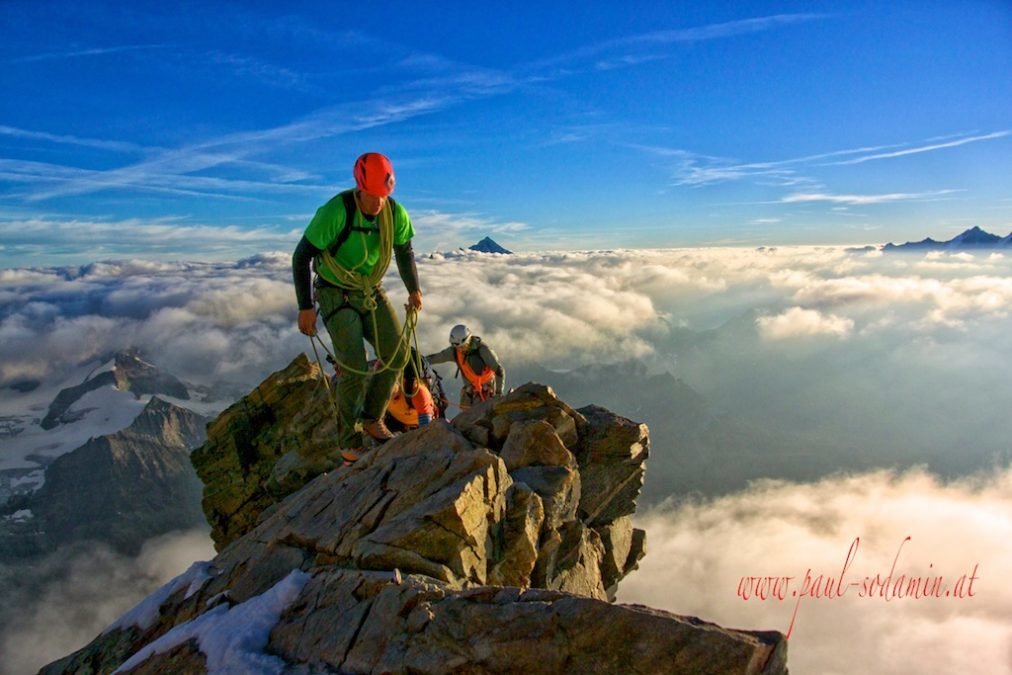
288,415
525,515
465,548
489,423
535,443
612,455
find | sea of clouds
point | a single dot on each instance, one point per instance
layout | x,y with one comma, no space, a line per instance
81,591
214,320
699,552
904,358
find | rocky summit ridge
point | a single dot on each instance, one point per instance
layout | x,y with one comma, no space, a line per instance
492,544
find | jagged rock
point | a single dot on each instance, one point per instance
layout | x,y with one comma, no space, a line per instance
558,487
429,555
488,423
612,456
525,514
355,621
363,623
535,443
570,561
623,549
289,412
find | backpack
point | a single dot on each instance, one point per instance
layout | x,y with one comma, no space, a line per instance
435,384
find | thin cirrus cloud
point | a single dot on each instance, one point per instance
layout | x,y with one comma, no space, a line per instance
172,170
861,200
694,169
924,148
429,222
78,53
175,166
38,175
590,53
23,170
64,139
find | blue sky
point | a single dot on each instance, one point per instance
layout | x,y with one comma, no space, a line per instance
210,130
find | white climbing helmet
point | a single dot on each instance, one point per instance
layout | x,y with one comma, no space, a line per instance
459,335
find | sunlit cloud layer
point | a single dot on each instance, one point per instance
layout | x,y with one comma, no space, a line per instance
562,309
699,552
798,322
96,586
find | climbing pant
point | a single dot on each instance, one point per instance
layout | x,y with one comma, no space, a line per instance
349,322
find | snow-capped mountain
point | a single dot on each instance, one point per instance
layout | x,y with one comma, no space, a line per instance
99,398
125,372
110,474
119,489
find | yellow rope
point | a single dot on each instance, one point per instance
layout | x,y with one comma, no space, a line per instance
404,341
353,280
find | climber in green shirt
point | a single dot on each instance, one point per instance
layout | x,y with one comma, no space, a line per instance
350,242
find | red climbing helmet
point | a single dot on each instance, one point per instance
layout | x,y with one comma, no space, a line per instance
374,174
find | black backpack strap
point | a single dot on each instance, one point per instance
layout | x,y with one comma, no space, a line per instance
350,209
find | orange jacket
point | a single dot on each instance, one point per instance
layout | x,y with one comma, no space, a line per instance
477,381
407,412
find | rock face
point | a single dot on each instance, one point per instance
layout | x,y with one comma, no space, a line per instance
491,544
120,489
264,447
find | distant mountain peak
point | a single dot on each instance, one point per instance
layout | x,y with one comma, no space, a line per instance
974,237
488,245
